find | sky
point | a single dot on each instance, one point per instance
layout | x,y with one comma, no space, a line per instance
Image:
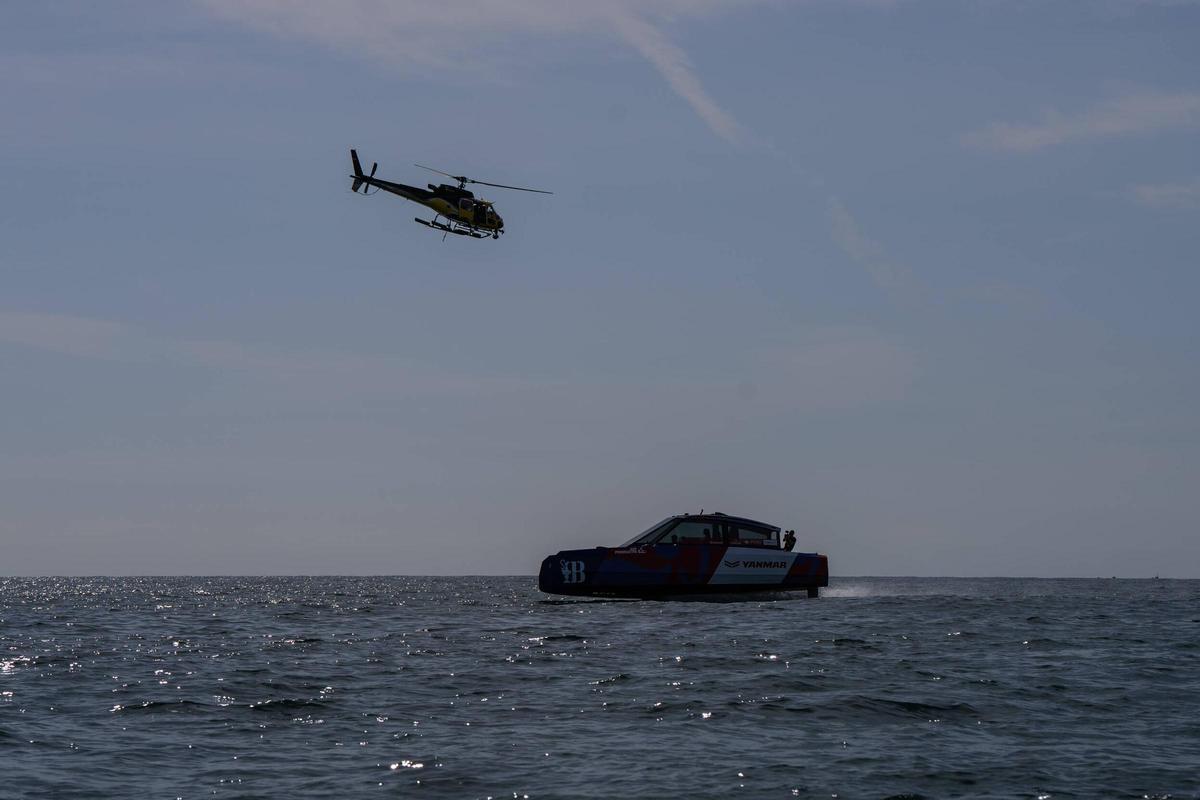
917,279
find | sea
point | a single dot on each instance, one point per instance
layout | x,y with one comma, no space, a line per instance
483,687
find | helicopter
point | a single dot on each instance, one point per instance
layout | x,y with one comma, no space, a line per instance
466,215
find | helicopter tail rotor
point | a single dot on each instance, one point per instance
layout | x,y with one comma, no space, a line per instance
358,176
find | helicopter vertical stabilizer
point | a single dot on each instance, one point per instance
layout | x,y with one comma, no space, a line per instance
358,173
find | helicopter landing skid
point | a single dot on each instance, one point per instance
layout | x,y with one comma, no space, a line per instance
451,228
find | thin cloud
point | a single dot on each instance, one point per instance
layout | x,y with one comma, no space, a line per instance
865,251
445,34
815,368
73,336
837,368
1129,114
318,370
673,64
1168,195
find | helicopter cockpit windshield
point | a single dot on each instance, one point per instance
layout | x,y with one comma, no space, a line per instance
484,214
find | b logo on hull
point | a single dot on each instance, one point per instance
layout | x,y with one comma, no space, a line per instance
572,571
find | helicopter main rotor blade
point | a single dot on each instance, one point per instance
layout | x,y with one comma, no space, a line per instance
447,174
465,179
506,186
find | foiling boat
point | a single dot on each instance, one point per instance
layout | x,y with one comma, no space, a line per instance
688,554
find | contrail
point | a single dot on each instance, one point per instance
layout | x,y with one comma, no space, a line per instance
674,65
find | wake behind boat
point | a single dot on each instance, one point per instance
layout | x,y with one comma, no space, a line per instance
688,554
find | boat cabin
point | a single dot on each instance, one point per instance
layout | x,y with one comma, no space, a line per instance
710,529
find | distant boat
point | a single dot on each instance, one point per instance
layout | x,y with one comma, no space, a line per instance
688,554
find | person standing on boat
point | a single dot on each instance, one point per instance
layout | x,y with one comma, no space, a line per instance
789,541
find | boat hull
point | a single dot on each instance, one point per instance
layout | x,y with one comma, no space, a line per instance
669,569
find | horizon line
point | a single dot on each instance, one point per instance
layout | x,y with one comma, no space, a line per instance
533,577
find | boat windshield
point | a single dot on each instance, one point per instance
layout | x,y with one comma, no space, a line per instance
647,536
736,533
